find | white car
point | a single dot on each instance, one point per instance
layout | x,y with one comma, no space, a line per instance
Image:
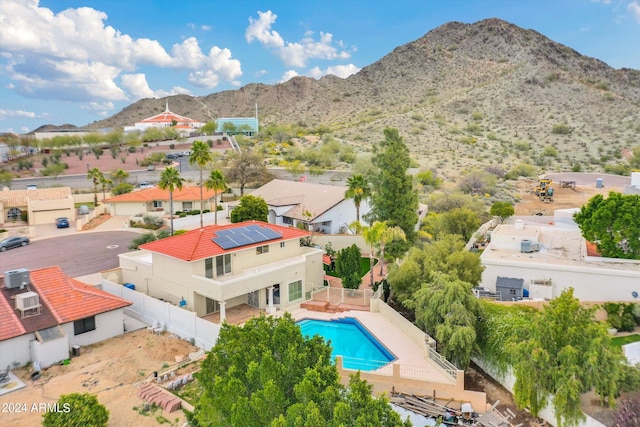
145,184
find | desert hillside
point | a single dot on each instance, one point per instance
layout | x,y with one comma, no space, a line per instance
462,95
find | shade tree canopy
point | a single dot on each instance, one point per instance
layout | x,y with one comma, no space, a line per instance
250,207
613,224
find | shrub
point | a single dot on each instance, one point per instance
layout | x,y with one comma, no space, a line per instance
153,221
561,129
195,212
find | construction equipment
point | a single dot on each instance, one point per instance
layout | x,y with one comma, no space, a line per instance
568,184
544,190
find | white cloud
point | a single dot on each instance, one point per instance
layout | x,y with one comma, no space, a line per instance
206,27
634,10
342,71
74,55
137,86
293,54
16,113
288,76
100,108
260,29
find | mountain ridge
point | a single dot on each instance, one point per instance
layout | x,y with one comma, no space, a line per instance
463,87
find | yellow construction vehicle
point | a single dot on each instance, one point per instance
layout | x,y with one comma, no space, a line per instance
544,190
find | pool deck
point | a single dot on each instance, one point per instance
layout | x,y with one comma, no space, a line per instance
408,354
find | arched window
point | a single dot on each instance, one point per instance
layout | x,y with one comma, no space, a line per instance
14,213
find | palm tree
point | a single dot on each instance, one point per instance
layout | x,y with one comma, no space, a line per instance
216,183
201,156
388,235
170,179
378,234
104,181
96,176
358,190
119,175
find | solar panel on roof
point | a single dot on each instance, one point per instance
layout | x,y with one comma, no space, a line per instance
242,236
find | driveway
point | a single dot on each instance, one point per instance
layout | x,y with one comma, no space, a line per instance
78,254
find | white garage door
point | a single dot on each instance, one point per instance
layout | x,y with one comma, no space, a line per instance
48,217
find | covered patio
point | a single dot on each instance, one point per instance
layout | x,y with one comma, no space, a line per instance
236,315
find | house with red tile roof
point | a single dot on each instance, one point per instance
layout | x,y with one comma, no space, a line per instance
156,200
44,314
166,119
212,269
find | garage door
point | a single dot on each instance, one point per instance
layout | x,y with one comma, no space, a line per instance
48,217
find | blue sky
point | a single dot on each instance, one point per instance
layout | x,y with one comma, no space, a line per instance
64,61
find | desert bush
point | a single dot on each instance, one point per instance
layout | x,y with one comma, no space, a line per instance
153,221
550,151
561,129
522,169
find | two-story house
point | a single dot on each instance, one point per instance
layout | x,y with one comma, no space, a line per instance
215,268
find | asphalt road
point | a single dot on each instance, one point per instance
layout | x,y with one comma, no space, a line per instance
77,255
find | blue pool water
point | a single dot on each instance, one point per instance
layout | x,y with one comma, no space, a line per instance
349,339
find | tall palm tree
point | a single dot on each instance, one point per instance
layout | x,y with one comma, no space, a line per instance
200,156
96,176
170,179
358,189
104,181
216,183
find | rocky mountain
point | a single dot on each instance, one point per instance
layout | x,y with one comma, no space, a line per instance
463,94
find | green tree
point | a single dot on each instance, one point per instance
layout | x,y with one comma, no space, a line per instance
446,255
567,353
209,128
428,179
378,235
123,188
394,199
216,183
147,237
228,127
358,189
613,224
502,210
95,176
348,267
245,167
104,182
6,178
77,410
54,169
200,156
462,221
448,311
250,207
294,168
266,373
170,179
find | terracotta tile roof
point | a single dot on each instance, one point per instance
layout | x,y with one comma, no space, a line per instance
187,194
197,244
167,117
301,196
19,198
10,325
70,299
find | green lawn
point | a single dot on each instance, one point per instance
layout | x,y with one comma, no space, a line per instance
364,267
627,339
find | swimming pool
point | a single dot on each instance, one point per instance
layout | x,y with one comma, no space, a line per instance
349,339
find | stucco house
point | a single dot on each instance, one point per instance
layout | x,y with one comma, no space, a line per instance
44,314
211,269
42,205
545,259
156,200
322,208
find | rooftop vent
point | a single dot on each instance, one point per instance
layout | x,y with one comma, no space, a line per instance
527,246
18,278
28,301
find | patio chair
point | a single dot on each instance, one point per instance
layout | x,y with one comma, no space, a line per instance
4,374
152,328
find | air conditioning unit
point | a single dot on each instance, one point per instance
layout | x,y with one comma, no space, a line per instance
27,301
16,278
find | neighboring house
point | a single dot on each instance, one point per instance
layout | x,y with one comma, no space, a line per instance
42,206
166,119
214,268
321,208
551,258
634,187
44,314
156,200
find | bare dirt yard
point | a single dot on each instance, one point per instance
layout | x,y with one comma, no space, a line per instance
112,370
564,198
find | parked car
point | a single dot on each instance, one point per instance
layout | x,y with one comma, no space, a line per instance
145,184
62,222
13,242
171,156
